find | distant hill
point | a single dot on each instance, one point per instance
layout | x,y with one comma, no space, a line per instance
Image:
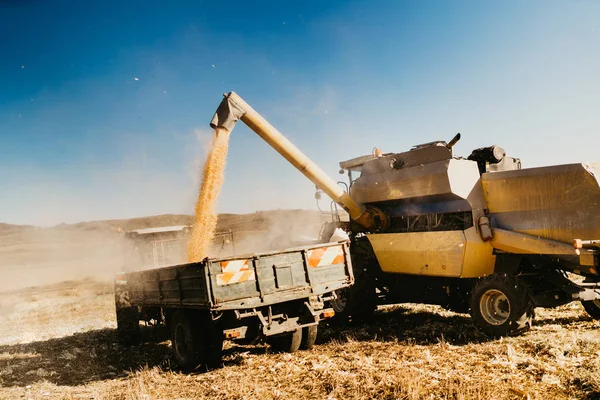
236,222
8,228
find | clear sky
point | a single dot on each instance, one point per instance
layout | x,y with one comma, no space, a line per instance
104,105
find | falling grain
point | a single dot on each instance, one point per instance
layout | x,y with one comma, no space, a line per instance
205,222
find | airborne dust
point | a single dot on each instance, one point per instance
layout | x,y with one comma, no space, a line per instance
205,222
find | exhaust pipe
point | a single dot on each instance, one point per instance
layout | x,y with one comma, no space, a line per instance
234,108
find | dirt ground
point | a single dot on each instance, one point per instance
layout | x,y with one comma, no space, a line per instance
59,341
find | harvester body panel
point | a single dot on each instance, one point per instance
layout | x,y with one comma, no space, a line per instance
447,180
445,253
559,203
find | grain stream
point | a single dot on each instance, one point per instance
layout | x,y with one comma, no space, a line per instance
205,222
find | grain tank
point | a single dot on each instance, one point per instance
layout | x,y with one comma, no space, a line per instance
476,234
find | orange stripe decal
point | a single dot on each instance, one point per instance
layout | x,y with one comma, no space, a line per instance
326,256
314,256
234,265
235,271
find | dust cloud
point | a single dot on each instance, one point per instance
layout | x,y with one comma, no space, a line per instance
205,223
265,231
32,256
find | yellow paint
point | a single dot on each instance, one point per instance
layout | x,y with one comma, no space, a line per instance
446,253
420,253
479,256
519,243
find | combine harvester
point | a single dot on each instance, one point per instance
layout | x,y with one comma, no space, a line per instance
476,234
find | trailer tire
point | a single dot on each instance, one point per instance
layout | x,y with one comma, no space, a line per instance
592,307
309,337
287,342
187,341
502,305
214,345
128,326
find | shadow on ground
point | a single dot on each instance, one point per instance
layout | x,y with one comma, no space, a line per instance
401,324
423,327
80,358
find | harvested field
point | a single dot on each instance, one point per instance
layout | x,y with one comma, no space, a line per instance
59,342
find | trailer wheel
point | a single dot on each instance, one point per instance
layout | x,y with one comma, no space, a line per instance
187,341
128,326
502,305
592,307
309,337
288,342
214,345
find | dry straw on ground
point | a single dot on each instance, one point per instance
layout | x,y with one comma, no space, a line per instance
70,351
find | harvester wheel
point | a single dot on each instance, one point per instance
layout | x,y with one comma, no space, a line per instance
354,304
187,341
287,342
128,326
358,302
309,337
592,307
502,305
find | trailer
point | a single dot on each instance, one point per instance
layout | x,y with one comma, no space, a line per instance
276,296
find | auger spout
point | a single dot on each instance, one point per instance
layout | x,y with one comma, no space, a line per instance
234,108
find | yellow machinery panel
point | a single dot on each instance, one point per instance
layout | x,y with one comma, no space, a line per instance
420,253
479,256
445,253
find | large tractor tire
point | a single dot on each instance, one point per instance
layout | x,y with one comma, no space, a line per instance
128,326
309,337
502,305
592,307
287,342
354,304
358,302
196,340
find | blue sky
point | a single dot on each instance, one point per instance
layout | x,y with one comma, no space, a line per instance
82,139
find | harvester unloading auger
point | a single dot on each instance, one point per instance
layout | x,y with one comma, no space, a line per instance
234,108
476,234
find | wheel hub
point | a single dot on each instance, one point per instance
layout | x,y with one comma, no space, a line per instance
494,307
